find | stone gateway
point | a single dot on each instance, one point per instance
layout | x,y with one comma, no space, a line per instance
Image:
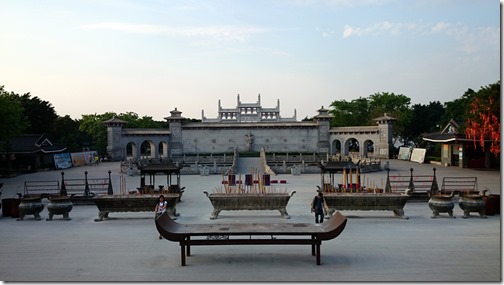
248,127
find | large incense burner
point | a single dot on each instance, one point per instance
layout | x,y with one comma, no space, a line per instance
351,196
249,201
132,203
473,203
146,198
367,202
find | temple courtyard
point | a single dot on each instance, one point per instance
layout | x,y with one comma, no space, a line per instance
375,245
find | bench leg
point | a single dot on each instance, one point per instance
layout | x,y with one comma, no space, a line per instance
318,253
313,246
182,254
188,251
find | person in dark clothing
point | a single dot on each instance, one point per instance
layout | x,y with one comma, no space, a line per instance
317,206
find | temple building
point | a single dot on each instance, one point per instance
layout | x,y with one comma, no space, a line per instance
248,127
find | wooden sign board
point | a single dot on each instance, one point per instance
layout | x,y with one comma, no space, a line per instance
418,155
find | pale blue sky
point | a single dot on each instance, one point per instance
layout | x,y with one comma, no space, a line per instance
151,56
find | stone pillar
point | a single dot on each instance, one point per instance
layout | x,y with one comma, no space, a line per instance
323,120
115,150
175,148
385,134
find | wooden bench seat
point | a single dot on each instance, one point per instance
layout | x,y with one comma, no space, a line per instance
96,186
44,189
250,234
460,185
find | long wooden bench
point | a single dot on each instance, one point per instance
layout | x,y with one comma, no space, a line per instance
249,234
421,185
43,189
460,185
96,186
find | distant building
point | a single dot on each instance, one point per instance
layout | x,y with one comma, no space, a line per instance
28,153
458,150
248,127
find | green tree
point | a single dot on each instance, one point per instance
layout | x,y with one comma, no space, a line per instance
92,125
353,113
362,111
457,109
135,122
66,131
425,118
13,122
394,105
96,132
40,114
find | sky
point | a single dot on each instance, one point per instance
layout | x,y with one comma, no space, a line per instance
152,56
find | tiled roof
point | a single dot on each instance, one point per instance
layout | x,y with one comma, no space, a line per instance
33,143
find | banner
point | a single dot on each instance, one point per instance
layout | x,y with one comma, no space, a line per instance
418,155
62,160
83,158
404,153
78,159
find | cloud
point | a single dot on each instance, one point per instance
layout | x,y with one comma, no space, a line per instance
236,33
470,39
384,27
438,27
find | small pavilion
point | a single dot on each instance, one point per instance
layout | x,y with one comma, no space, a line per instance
330,168
167,168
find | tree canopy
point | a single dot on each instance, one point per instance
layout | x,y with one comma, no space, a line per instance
362,111
14,121
483,118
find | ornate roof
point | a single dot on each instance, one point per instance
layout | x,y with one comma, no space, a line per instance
337,166
32,144
163,167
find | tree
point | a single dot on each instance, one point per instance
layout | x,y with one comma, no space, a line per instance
394,105
66,131
362,111
40,114
457,109
483,119
92,125
135,122
425,118
353,113
96,132
13,122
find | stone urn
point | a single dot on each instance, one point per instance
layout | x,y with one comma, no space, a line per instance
60,205
441,203
30,206
472,203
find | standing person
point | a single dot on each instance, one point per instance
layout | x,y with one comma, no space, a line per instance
317,206
160,208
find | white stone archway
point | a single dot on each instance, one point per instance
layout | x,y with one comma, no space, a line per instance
368,148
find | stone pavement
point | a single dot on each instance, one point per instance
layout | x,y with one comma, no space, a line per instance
375,246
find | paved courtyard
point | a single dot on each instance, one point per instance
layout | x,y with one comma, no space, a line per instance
375,246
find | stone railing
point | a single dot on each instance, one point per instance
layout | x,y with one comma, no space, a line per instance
264,162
